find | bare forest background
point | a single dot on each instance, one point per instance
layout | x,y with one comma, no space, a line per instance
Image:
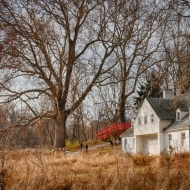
71,68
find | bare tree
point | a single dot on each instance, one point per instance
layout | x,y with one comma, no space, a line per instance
142,26
179,7
42,43
175,51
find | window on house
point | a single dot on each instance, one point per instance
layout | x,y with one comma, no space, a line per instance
182,139
145,120
178,115
139,120
133,146
170,139
152,118
125,143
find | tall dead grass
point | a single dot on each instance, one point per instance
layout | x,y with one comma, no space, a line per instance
96,170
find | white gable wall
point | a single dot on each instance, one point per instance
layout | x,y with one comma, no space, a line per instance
149,127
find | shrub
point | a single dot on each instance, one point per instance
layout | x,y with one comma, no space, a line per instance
72,145
115,130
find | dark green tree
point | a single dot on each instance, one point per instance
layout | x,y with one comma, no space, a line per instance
150,88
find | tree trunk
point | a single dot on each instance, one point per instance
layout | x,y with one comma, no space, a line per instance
122,115
59,140
122,106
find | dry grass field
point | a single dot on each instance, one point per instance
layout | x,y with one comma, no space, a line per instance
102,169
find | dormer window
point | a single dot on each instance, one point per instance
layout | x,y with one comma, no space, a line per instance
178,115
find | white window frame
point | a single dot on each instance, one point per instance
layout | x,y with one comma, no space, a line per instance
170,139
152,118
125,144
178,115
183,139
145,120
133,144
139,121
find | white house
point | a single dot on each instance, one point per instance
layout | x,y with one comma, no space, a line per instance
162,124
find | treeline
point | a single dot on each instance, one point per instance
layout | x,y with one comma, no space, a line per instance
41,134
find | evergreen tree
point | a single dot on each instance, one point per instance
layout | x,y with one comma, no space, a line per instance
151,88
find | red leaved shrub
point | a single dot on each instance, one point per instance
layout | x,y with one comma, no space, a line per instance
114,130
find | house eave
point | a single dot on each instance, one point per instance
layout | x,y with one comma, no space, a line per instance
178,129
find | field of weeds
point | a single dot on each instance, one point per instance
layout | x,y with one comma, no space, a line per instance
103,169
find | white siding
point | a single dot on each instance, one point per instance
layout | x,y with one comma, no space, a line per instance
147,144
161,142
149,127
150,145
176,142
164,124
161,139
128,144
139,144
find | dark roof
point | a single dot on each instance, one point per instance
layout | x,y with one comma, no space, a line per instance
128,133
183,124
166,108
185,98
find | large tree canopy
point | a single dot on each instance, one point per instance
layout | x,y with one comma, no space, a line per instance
49,51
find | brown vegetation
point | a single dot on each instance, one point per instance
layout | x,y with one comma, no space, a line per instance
98,169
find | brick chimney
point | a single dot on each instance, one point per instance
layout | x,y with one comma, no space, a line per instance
167,94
